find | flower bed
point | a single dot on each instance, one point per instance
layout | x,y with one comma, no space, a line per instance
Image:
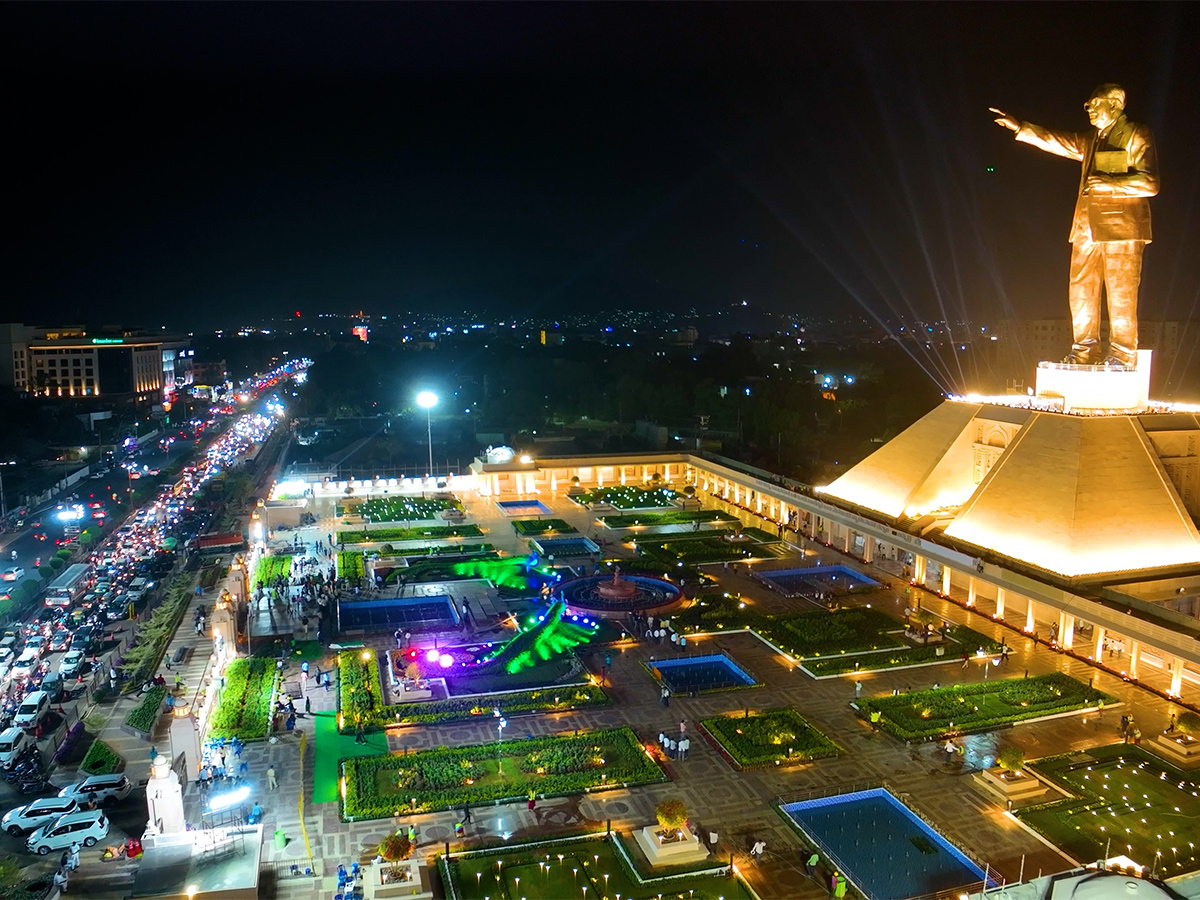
804,635
978,707
770,737
961,639
350,565
271,567
1082,825
155,634
446,778
419,533
245,707
101,759
671,517
535,527
402,509
143,716
359,675
628,497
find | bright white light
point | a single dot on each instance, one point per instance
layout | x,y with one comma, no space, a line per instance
427,399
446,661
526,458
432,656
232,798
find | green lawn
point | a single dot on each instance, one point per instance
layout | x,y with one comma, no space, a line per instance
271,566
629,497
419,533
769,737
402,509
330,748
702,547
560,870
671,517
1126,799
535,527
982,706
380,786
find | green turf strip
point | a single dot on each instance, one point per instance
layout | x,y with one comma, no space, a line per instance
332,747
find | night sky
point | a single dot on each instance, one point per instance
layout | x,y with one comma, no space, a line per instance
212,165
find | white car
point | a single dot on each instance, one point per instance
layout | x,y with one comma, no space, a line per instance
13,742
12,573
86,828
26,663
71,663
103,789
36,814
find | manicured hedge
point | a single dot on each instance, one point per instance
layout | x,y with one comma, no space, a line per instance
534,527
769,737
671,517
362,675
271,567
350,564
445,778
419,533
101,759
143,716
244,710
979,707
962,640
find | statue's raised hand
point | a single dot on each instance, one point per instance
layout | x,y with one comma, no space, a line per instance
1005,120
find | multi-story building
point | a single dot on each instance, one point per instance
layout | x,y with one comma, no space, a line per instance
72,362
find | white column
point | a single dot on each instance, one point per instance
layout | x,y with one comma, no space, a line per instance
1176,676
1066,630
847,538
946,580
1030,623
971,591
999,603
918,569
868,548
1099,648
1135,651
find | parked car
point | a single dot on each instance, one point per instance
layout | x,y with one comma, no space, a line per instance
87,828
104,789
34,815
13,742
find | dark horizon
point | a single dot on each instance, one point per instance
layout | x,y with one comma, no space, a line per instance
202,166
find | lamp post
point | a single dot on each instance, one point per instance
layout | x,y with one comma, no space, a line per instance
500,726
428,400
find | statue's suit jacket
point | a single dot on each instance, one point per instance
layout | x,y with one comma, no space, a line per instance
1124,215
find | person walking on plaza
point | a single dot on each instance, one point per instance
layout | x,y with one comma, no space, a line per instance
839,885
685,746
272,784
1171,724
857,689
810,864
758,849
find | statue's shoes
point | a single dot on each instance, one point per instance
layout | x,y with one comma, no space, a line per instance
1113,362
1077,359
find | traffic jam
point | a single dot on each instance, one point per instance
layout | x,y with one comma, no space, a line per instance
75,625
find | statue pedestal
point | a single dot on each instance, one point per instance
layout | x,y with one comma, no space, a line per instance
1181,750
686,849
1005,786
1096,387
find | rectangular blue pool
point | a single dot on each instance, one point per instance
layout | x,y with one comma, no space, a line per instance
565,546
702,673
523,507
830,579
882,846
393,612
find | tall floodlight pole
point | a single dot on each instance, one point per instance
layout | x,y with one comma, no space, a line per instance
428,400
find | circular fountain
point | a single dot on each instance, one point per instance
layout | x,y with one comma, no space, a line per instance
618,593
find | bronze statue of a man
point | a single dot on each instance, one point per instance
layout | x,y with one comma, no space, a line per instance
1112,220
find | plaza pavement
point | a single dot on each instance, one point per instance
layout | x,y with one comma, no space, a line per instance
736,805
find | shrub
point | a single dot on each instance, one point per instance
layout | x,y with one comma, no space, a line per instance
395,847
1188,723
671,814
101,759
769,737
143,716
244,710
1011,759
427,532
